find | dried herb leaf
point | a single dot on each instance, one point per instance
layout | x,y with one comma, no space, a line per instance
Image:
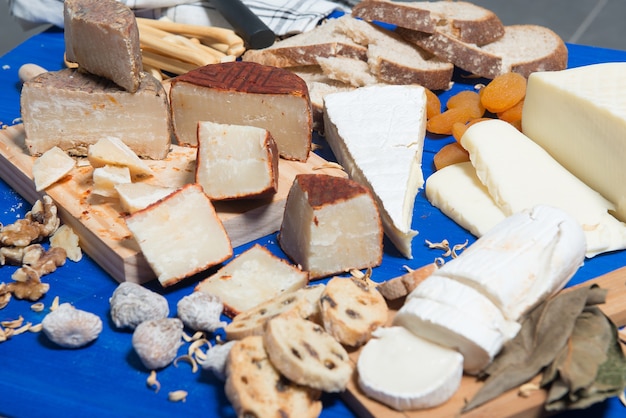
543,334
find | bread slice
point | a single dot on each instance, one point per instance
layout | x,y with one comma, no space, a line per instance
304,48
252,278
522,49
255,388
464,21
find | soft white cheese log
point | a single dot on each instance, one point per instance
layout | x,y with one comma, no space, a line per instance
244,93
522,260
253,277
407,372
377,135
331,225
519,174
180,235
474,304
103,38
453,328
459,194
72,110
236,161
579,116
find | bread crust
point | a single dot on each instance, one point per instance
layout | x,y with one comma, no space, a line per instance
404,15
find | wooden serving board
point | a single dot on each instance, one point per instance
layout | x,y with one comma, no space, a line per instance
509,404
99,221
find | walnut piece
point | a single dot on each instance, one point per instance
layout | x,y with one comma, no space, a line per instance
30,289
5,295
201,311
44,213
156,341
20,233
44,264
131,304
70,327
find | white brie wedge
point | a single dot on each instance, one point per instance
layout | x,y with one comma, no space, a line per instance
407,372
377,134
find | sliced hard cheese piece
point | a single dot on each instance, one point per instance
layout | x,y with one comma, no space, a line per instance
51,167
180,235
103,38
579,116
331,225
252,278
136,196
450,327
377,134
522,260
72,110
236,161
244,93
519,174
113,151
473,303
405,372
105,179
459,194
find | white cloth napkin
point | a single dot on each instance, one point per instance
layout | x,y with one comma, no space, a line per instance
284,17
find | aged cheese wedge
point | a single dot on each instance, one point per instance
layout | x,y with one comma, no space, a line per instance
180,235
113,151
105,179
136,196
522,260
236,161
51,167
519,174
331,225
407,372
377,134
251,278
72,110
578,115
245,93
458,193
103,38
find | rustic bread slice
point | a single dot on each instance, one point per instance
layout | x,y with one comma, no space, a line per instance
522,49
464,21
255,388
304,48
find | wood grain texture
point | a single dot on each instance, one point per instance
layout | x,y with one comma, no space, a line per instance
99,222
509,404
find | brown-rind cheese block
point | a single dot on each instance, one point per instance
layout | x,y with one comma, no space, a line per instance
236,161
180,235
73,109
331,225
244,93
102,37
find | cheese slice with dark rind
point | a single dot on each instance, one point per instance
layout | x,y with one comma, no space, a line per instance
244,93
102,37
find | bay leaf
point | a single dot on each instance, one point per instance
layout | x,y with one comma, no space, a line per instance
542,336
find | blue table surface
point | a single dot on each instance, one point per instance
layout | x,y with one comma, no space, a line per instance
106,378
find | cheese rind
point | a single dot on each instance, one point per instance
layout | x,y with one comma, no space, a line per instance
579,116
377,134
236,161
244,93
72,110
103,38
519,175
407,372
180,235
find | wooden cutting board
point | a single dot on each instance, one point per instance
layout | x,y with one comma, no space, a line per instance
509,404
99,222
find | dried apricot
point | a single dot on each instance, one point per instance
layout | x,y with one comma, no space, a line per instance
442,123
467,99
503,92
433,104
452,153
513,114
